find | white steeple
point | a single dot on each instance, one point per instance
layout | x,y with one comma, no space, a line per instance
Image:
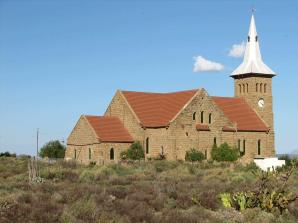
252,62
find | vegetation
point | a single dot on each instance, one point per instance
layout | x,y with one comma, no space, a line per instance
155,191
7,154
224,153
52,149
135,152
194,155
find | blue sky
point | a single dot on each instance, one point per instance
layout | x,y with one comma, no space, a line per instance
61,59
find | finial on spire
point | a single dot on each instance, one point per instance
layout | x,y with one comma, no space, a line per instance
253,10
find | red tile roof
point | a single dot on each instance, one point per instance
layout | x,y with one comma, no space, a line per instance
157,109
239,112
109,129
202,127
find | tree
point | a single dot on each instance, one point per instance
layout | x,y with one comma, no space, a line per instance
194,155
52,149
224,153
135,152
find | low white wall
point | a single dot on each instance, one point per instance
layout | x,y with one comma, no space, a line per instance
269,163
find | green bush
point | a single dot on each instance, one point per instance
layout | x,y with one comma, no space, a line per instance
135,152
52,149
194,155
224,153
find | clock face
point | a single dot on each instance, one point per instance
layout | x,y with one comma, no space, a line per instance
261,103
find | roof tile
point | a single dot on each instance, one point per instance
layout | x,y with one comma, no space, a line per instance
109,129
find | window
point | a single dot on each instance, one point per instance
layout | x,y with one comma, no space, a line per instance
89,154
210,118
257,87
243,149
259,147
240,88
256,38
194,116
243,88
205,153
147,145
202,117
248,38
246,88
112,154
75,153
239,145
162,150
265,88
261,87
214,141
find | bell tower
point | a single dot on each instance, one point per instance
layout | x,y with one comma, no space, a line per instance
253,80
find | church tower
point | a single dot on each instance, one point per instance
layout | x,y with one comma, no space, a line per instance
253,81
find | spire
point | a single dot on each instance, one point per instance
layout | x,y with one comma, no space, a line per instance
252,61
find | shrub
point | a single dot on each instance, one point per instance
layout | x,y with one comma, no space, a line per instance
52,149
7,154
194,155
224,153
135,152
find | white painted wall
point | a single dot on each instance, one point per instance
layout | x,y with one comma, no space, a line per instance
269,163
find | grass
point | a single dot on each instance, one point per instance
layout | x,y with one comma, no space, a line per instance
157,191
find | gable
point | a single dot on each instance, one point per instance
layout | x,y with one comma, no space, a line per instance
157,109
240,113
82,133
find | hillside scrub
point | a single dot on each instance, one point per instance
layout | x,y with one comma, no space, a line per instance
155,191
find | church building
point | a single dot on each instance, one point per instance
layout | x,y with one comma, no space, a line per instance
173,123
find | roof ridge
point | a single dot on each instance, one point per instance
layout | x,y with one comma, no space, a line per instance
161,93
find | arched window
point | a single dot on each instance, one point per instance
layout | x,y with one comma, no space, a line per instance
162,150
194,116
240,89
243,152
243,88
75,153
259,147
265,88
112,154
89,154
256,38
214,141
261,87
205,153
248,38
246,88
210,118
147,145
202,117
257,87
239,141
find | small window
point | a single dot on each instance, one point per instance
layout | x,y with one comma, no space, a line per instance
210,118
261,87
259,147
248,38
186,133
240,89
239,144
214,141
265,88
194,116
246,88
205,153
257,87
89,154
147,145
112,154
162,150
243,88
243,147
202,117
256,38
75,153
